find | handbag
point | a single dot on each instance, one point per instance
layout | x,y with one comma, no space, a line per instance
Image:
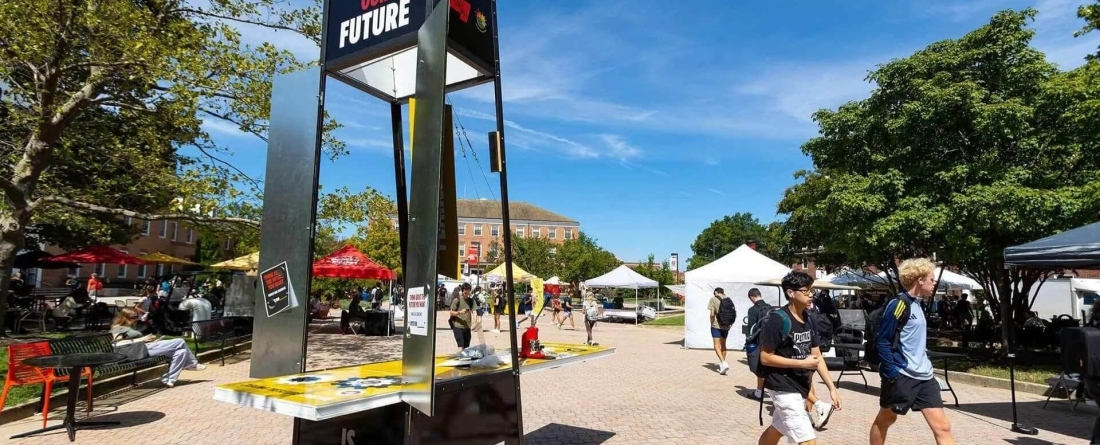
133,350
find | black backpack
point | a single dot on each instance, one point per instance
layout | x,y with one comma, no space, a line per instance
752,343
874,320
727,312
822,325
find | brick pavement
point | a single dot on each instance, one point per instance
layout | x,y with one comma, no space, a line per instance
649,392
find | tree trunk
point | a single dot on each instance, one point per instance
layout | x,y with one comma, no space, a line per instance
12,237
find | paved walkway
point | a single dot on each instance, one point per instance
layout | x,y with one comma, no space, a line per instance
649,392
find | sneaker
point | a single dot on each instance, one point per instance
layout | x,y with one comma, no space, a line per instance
820,413
757,394
722,368
197,367
169,384
496,331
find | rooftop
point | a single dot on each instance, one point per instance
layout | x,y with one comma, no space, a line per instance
487,209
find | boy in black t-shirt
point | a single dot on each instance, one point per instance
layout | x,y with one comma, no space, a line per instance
789,350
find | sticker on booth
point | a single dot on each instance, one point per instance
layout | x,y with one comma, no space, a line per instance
418,311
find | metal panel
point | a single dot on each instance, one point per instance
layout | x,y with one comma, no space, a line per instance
418,355
290,193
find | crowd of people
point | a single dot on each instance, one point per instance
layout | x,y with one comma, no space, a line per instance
784,346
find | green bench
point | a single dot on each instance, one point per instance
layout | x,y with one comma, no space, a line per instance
97,343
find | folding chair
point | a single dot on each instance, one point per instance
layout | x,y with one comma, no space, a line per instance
21,375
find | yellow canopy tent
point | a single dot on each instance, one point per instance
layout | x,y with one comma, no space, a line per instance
162,258
518,274
243,263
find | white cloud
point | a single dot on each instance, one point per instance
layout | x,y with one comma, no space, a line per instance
372,145
217,126
619,148
533,139
715,191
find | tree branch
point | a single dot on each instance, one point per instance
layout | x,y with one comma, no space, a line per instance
15,194
230,120
102,65
250,22
145,216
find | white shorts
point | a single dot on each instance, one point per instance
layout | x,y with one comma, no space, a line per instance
790,416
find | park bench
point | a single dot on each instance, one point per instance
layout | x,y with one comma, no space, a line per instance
224,330
99,343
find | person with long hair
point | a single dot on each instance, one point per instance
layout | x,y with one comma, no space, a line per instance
591,314
122,328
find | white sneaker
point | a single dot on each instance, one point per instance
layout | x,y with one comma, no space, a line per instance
819,414
198,367
496,331
757,394
722,368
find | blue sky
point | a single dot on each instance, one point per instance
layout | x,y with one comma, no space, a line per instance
646,120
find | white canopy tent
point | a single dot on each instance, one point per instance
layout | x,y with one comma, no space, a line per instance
624,278
735,273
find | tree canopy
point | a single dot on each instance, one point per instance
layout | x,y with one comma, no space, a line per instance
964,148
727,234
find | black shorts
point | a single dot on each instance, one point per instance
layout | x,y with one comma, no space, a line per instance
903,394
462,336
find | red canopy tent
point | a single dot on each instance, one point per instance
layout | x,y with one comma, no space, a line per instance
95,254
349,262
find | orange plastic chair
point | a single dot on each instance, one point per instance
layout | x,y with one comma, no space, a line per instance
20,374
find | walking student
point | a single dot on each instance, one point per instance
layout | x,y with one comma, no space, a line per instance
591,314
722,316
906,371
790,353
758,311
567,310
461,307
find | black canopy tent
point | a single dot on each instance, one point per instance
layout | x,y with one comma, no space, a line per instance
1073,249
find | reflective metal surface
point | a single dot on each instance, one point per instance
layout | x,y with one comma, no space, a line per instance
418,355
278,342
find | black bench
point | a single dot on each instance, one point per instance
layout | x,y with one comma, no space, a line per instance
225,330
102,343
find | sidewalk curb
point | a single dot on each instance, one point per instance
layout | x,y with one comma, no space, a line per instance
112,384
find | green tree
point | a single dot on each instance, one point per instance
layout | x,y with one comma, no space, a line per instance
964,148
534,255
75,72
660,272
727,234
581,258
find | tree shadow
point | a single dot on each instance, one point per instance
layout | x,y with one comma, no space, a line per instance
1032,414
556,433
327,351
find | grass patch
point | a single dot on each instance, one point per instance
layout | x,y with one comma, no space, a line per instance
1024,373
675,320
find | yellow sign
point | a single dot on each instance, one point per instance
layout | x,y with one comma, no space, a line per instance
538,290
313,394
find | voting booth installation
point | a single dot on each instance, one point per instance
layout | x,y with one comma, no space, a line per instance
401,52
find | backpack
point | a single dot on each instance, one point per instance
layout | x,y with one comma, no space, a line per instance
752,344
822,325
874,320
727,312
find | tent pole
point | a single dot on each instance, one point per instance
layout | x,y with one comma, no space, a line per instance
636,307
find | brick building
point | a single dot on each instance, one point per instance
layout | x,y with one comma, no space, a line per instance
169,237
479,226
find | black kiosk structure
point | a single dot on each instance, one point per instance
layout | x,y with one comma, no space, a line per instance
399,51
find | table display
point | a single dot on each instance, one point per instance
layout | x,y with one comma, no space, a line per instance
77,362
325,394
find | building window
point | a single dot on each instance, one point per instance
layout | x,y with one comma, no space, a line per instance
160,270
461,229
74,271
477,229
519,232
477,248
228,243
396,226
190,236
568,233
100,268
462,249
494,231
141,267
129,221
552,232
122,267
171,269
175,230
553,250
494,251
536,232
145,228
163,228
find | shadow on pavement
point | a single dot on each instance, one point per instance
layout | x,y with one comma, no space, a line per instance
1032,414
556,433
